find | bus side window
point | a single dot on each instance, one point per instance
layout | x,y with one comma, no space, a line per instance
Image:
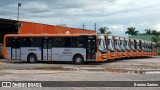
81,42
74,42
45,44
57,42
36,42
67,41
50,44
18,43
26,42
13,43
8,42
77,42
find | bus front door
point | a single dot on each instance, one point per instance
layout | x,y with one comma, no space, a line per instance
91,50
15,49
47,49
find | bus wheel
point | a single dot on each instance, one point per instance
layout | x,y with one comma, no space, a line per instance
78,59
32,58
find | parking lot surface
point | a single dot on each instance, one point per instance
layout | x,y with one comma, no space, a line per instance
145,69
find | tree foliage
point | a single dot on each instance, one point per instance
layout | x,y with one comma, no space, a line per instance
104,30
132,31
155,33
156,37
152,32
148,31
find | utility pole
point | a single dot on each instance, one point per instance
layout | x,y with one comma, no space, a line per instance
83,26
19,5
95,27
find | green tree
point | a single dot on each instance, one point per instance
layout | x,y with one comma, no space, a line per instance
156,39
156,36
132,31
148,31
151,32
104,30
155,32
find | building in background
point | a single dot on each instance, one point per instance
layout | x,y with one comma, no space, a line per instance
8,26
143,37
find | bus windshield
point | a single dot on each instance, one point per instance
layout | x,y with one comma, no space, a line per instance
121,46
146,47
143,46
101,43
113,44
110,45
117,44
127,44
132,46
138,46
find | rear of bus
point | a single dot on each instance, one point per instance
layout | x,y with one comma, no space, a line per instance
110,47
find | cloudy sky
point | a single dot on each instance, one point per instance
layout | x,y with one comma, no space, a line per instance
115,14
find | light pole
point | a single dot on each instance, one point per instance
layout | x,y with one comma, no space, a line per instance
19,5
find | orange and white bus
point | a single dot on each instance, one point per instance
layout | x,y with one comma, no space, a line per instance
127,47
142,46
122,46
147,48
118,52
133,47
154,49
150,48
138,49
77,48
110,47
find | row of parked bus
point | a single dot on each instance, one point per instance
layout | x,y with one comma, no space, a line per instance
77,48
119,47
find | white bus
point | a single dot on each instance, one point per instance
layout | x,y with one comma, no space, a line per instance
55,47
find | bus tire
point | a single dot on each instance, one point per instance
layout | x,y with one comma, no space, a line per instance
78,59
32,58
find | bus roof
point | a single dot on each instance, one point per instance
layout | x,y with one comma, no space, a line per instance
43,35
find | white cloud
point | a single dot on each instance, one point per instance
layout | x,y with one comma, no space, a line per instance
35,5
117,30
157,27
